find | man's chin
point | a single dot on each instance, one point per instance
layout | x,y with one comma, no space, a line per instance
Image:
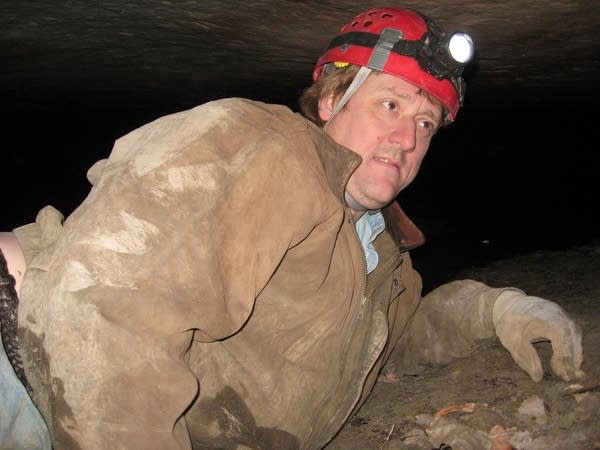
375,205
371,202
384,200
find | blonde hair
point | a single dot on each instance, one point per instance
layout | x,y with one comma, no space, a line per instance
335,81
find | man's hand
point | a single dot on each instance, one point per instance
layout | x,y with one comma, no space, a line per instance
521,320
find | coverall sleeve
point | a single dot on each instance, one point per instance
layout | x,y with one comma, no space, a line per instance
450,322
174,243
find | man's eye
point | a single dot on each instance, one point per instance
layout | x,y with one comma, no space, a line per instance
389,105
428,126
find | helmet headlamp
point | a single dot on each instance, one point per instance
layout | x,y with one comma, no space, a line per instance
461,48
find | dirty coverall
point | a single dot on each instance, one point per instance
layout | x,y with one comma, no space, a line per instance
211,291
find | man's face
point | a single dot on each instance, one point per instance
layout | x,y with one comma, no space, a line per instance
389,123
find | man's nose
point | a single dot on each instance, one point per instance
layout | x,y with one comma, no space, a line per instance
404,134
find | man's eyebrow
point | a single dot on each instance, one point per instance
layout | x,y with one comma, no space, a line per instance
436,117
397,93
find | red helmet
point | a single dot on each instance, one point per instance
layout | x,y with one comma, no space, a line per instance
406,44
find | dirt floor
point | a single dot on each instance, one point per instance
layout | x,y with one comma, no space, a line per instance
487,389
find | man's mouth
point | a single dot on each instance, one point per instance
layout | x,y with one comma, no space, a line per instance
392,163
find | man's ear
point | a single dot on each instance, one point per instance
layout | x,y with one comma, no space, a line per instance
326,105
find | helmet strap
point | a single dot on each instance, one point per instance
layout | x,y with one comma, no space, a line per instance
357,82
381,52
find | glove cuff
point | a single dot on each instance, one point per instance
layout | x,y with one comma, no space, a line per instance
505,301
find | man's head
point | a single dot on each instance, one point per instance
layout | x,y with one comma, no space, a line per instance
382,88
403,43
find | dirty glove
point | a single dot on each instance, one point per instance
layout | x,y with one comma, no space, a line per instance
521,320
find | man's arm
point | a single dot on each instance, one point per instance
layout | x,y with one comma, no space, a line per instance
455,318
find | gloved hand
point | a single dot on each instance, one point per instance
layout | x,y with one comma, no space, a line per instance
521,320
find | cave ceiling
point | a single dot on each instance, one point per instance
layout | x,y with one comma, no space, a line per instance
184,52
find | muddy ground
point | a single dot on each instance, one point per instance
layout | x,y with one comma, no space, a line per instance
487,388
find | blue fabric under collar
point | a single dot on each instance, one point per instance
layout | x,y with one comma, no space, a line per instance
368,227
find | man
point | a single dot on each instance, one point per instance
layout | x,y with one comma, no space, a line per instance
238,276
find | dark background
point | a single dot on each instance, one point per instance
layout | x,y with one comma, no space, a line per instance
517,172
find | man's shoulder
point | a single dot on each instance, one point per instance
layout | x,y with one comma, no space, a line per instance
246,110
228,118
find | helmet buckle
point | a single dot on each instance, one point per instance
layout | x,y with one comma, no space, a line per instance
385,45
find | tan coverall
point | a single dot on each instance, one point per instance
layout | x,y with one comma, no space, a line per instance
211,291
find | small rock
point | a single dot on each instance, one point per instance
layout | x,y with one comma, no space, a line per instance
520,439
533,406
424,420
